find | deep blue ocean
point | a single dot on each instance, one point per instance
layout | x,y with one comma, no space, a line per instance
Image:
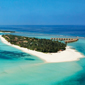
71,30
19,68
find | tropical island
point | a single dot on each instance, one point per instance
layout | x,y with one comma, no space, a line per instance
41,48
41,45
7,31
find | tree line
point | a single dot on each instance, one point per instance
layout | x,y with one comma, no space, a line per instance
42,45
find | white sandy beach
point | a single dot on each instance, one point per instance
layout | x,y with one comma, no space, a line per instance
5,32
63,56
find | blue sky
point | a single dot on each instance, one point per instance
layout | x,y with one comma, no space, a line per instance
42,12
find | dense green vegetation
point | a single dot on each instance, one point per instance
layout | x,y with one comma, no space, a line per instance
7,31
42,45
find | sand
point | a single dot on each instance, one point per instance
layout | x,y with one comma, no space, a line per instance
61,56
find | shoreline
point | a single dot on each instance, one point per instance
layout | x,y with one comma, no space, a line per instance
67,55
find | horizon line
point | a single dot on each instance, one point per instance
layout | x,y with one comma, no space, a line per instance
70,25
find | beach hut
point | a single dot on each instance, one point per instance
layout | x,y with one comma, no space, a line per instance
25,41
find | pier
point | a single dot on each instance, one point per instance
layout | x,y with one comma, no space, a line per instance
66,40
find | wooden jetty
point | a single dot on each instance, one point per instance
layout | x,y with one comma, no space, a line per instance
66,40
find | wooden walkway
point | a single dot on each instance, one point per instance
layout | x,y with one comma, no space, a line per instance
66,40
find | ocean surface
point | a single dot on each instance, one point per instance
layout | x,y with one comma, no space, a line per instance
19,68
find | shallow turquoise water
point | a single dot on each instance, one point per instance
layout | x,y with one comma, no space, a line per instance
19,68
42,74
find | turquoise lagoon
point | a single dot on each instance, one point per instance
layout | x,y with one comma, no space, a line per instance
19,68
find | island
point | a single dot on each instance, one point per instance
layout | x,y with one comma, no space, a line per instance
41,45
3,31
48,56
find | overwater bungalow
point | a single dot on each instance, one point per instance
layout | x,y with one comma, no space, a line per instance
51,38
67,40
61,39
71,38
56,38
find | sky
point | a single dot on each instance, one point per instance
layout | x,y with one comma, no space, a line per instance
42,12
